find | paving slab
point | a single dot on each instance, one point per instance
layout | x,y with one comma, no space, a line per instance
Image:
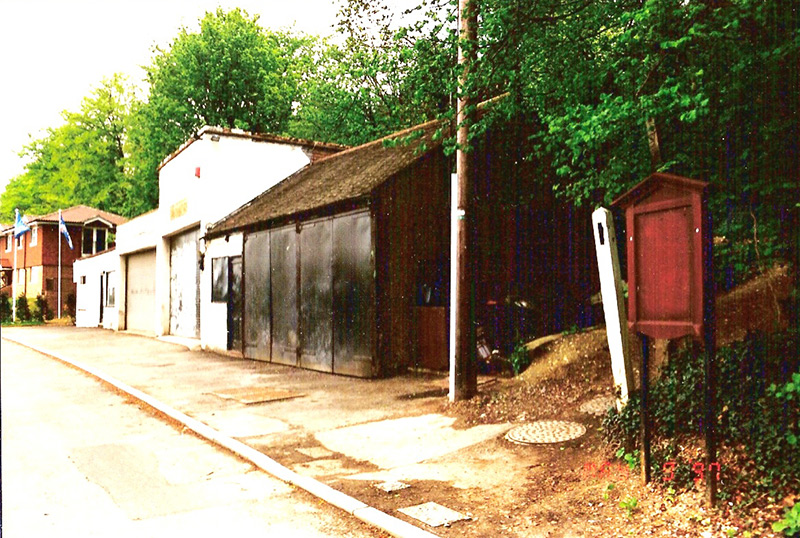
433,514
404,441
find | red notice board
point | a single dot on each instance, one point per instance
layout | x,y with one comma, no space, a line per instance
666,235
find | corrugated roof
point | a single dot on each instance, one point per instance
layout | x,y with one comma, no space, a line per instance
349,175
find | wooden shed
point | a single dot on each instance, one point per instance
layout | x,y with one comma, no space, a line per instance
346,262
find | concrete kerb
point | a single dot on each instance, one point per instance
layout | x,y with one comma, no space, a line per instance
372,516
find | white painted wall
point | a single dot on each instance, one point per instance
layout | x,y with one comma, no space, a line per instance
88,296
233,170
137,234
214,316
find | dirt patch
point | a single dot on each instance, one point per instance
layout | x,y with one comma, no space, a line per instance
579,488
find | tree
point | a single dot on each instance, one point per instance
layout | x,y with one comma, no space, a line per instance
232,73
79,162
716,83
382,78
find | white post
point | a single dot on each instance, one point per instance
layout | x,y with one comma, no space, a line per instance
605,242
453,281
59,264
14,278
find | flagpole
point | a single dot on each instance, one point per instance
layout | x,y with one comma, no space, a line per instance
14,274
59,264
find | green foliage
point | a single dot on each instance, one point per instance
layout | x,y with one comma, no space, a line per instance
520,359
631,459
757,389
630,505
70,306
232,73
717,82
379,80
5,308
787,396
23,308
78,162
790,524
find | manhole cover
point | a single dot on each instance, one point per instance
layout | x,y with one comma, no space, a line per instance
599,405
546,431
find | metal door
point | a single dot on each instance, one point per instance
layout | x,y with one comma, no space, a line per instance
184,282
283,277
140,292
257,337
235,303
353,295
316,300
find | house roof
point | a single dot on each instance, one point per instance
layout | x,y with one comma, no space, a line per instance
78,214
349,175
256,137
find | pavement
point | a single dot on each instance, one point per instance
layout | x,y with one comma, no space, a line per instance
336,437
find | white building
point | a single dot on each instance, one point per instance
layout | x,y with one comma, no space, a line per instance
96,280
164,263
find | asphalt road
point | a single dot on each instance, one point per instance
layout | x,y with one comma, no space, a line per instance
81,460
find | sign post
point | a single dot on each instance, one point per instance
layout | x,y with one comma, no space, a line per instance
670,286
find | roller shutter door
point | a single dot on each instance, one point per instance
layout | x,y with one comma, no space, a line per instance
140,293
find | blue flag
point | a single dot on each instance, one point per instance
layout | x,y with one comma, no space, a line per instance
62,227
19,226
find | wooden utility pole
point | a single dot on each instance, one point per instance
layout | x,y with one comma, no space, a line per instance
464,366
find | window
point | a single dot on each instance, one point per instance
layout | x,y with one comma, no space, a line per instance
50,284
9,242
94,241
88,235
219,280
20,241
83,279
34,236
110,288
99,240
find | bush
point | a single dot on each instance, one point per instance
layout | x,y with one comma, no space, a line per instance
5,308
790,524
23,309
70,306
520,358
42,311
758,385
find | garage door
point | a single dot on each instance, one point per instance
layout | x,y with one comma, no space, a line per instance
140,294
184,285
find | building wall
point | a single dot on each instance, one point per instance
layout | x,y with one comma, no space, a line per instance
214,316
412,250
232,171
136,235
530,245
88,277
40,263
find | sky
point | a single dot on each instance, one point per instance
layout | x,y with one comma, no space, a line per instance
53,52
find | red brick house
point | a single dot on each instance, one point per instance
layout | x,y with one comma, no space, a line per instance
91,231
